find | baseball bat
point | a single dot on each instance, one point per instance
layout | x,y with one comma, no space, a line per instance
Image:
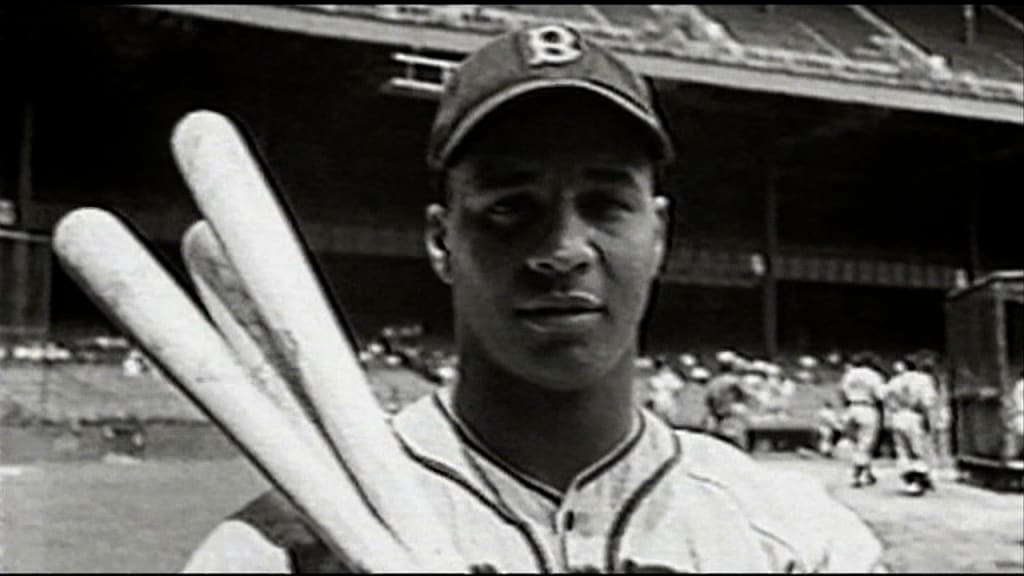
236,199
234,314
113,267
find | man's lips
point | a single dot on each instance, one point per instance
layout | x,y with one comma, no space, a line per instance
561,312
561,303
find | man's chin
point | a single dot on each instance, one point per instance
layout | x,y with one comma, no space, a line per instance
567,372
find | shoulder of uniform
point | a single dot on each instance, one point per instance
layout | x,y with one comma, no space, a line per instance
284,527
714,459
276,519
786,506
236,546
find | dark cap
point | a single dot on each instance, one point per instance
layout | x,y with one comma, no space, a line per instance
532,59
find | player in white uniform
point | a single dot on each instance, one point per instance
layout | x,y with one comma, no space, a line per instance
1015,420
663,390
912,396
537,459
862,387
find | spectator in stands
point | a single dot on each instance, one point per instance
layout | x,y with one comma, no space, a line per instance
899,367
862,387
700,375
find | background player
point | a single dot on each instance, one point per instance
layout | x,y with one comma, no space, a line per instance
546,150
728,401
911,396
862,388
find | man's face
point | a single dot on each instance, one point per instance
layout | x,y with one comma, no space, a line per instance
552,239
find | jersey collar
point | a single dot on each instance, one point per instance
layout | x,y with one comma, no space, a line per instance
434,438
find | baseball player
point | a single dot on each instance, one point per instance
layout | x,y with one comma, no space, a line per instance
829,428
546,149
912,396
862,388
1015,419
663,391
727,401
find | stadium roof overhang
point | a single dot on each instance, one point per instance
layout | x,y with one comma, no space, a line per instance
404,34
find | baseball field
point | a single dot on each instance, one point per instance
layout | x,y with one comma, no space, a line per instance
76,510
126,516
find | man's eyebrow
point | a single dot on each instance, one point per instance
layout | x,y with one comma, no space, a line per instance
611,174
499,173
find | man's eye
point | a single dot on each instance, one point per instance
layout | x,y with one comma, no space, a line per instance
606,206
508,211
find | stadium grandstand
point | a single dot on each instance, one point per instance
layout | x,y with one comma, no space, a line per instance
841,167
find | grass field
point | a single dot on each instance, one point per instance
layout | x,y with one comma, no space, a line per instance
89,515
98,517
89,392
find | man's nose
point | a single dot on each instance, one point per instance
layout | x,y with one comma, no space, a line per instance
567,250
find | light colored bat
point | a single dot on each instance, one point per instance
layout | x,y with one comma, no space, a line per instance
133,289
234,197
234,314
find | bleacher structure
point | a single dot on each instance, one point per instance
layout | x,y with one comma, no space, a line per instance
918,48
777,91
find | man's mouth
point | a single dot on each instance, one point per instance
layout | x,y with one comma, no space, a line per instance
561,312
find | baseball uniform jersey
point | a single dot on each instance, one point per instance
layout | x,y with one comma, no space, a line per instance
661,500
1016,410
911,396
862,387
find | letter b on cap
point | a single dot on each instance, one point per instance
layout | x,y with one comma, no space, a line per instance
552,45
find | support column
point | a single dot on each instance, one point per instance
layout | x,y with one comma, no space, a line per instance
25,154
769,282
20,246
973,249
970,24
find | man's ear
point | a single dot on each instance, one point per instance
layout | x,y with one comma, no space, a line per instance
663,215
436,240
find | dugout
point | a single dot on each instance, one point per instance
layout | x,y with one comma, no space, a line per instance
984,326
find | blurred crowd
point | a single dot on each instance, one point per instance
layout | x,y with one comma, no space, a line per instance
723,392
91,350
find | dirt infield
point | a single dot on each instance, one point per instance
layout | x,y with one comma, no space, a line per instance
957,528
129,517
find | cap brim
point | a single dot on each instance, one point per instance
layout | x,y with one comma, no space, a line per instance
485,108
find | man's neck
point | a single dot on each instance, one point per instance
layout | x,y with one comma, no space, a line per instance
550,435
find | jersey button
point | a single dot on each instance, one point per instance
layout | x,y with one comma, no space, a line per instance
570,521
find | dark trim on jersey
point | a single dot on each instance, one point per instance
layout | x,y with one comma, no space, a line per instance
496,494
450,474
549,493
764,531
633,503
616,456
469,438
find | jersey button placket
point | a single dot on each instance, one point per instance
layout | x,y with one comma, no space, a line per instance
567,528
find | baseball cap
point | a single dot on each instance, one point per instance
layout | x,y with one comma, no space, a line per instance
526,61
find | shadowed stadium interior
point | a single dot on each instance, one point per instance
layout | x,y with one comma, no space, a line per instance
804,221
845,173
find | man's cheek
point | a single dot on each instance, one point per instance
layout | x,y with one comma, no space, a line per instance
636,265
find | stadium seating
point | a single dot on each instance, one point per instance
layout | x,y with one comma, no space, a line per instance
632,15
752,25
564,12
840,27
833,41
939,30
